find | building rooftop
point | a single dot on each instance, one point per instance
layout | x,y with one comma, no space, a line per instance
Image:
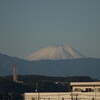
85,83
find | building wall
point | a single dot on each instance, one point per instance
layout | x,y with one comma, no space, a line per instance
47,96
63,96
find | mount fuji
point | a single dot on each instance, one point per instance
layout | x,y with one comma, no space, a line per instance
55,52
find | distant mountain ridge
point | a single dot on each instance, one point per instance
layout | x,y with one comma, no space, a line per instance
55,52
64,67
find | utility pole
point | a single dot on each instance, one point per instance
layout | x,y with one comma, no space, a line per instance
11,96
71,89
76,96
36,87
38,96
36,90
71,95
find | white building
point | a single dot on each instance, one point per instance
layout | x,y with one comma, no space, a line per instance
85,86
78,91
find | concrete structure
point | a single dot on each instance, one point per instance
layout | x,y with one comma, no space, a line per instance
79,91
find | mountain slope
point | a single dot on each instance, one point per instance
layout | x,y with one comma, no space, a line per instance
55,53
67,67
7,64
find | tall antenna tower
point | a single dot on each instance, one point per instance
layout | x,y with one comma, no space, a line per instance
15,73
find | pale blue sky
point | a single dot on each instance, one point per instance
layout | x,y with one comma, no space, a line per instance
30,25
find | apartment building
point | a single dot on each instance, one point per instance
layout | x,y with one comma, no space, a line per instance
78,91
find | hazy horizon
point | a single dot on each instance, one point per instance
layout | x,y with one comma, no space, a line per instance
27,26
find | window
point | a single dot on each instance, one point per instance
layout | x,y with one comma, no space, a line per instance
89,90
97,89
33,99
77,89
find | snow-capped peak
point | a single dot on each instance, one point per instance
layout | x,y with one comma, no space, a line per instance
55,52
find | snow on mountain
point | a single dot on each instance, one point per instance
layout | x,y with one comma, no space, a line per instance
55,53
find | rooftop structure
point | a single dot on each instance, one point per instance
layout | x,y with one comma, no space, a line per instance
85,86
